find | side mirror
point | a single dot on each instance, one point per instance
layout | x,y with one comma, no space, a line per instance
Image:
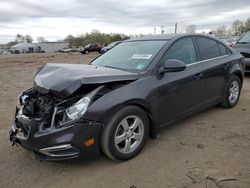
173,65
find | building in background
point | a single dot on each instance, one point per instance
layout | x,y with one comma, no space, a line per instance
39,47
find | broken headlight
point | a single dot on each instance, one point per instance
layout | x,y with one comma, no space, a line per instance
78,109
72,109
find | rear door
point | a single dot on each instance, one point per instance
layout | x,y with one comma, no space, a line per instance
180,92
214,57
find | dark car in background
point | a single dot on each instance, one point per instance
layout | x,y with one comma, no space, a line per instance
125,96
91,48
243,46
108,47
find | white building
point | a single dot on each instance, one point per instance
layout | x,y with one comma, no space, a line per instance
39,47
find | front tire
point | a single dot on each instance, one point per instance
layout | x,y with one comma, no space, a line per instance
232,93
126,133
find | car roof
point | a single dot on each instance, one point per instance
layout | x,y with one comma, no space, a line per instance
155,37
166,37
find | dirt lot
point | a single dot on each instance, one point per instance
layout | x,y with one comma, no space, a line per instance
211,149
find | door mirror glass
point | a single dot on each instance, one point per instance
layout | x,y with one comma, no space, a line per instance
174,65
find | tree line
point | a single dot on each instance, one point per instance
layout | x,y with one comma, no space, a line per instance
237,28
95,37
24,38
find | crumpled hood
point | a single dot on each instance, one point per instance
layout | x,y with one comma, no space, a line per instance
65,79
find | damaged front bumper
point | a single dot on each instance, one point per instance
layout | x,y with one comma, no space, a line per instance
79,139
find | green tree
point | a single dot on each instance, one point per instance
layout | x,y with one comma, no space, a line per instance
221,31
95,37
191,29
40,39
247,25
238,27
12,43
19,38
28,39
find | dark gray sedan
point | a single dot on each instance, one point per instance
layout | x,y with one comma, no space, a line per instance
125,96
243,46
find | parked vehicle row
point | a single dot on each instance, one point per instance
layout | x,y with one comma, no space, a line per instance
91,48
125,96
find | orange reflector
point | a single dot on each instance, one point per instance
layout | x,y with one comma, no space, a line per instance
89,142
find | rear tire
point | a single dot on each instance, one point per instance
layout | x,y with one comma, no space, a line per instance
126,133
232,93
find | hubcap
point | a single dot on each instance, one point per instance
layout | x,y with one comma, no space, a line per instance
234,92
129,134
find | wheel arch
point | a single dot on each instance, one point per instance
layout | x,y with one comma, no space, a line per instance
140,104
238,74
237,70
152,122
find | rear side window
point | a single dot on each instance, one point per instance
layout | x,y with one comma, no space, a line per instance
208,48
223,49
183,49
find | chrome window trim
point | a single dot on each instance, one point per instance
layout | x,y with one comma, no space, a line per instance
206,60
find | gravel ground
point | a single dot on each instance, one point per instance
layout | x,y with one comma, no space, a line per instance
210,149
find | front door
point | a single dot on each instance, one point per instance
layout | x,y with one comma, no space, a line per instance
181,92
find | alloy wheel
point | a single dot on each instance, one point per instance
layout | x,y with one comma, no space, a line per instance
234,92
129,134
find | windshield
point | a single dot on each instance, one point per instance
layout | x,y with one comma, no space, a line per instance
245,38
134,56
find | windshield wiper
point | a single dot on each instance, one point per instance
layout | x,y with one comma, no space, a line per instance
111,67
107,66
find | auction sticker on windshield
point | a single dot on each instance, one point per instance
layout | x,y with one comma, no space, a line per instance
141,56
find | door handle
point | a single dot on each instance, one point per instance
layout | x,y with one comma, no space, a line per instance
198,76
225,66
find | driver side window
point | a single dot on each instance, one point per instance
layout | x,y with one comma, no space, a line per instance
183,50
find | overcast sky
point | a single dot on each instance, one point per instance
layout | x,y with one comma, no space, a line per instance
54,19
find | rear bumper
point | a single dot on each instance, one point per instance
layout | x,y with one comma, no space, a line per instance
57,144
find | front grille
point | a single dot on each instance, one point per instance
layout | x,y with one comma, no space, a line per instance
246,55
247,68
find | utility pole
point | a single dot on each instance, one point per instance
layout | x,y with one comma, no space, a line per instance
162,29
175,28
